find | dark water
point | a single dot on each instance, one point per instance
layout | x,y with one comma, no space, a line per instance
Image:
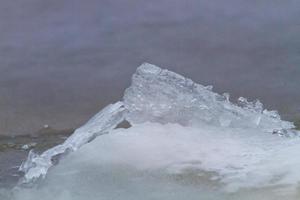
13,151
62,60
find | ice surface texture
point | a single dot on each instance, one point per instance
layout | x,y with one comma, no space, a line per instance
162,96
174,162
37,165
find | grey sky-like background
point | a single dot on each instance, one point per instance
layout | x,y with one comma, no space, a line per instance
61,61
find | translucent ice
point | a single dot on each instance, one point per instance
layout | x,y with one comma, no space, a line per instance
180,130
163,96
107,119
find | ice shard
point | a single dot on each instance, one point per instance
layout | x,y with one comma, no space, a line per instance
37,165
161,96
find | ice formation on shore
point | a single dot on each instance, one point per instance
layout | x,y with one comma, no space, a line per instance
37,165
179,125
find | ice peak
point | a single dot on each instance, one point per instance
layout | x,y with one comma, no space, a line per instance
147,68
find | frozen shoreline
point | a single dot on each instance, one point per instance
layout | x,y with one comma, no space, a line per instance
181,132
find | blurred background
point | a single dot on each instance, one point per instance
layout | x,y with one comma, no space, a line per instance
61,61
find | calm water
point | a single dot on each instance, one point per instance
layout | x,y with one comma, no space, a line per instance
62,61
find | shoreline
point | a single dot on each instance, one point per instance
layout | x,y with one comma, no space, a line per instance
14,150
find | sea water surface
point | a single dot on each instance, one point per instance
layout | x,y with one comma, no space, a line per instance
62,61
